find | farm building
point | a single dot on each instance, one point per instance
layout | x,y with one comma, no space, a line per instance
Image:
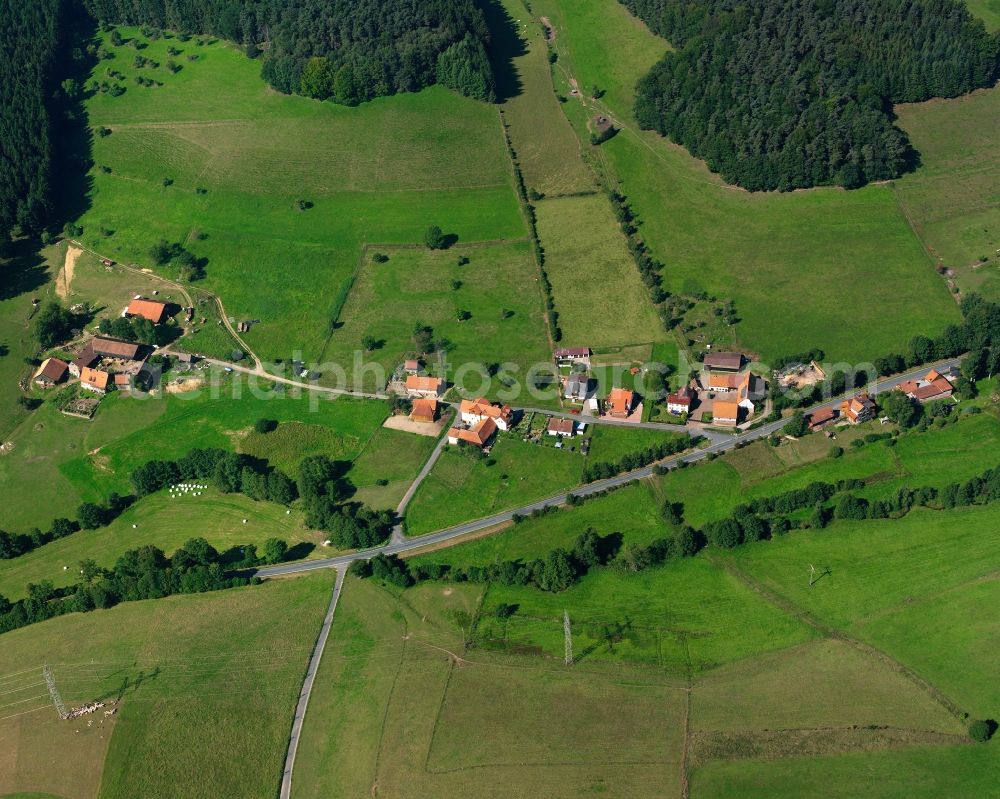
560,427
472,412
620,402
412,366
724,361
152,310
84,358
51,371
478,436
725,413
724,383
577,387
570,355
94,380
424,410
679,403
858,409
822,417
112,348
421,386
932,386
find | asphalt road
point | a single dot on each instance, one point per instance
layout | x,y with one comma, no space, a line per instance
477,525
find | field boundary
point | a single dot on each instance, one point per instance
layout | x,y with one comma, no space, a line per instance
829,631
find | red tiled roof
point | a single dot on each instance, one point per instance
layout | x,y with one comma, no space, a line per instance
573,352
94,378
52,369
424,410
423,383
561,426
620,400
148,309
477,436
114,348
725,411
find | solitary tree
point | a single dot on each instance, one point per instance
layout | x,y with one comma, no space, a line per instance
434,238
369,343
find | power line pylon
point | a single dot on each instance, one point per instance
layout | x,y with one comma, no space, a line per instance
50,681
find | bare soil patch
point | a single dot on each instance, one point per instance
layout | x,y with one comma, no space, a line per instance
64,280
407,425
186,384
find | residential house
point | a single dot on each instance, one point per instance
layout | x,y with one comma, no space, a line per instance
577,387
858,409
932,386
725,412
422,386
152,310
424,410
679,403
559,426
473,412
478,436
84,358
51,371
822,417
94,380
620,402
567,356
724,361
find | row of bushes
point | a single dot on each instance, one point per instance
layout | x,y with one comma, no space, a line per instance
529,211
144,573
602,470
90,516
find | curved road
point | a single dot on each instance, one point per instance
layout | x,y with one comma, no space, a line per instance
477,525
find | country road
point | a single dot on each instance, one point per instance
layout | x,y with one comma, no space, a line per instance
451,534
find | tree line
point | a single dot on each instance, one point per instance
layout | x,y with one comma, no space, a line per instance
600,470
785,94
348,51
143,573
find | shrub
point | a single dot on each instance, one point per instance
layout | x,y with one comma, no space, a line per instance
982,730
265,425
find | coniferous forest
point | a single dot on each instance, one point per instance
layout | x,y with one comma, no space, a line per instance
29,53
785,94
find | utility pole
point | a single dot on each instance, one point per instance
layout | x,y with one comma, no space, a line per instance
567,632
50,681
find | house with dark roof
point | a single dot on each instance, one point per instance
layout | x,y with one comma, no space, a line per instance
112,348
577,387
680,402
51,371
822,417
84,358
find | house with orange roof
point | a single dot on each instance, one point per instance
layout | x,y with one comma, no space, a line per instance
424,410
472,412
726,383
725,412
94,380
858,409
423,386
932,386
620,402
152,310
478,436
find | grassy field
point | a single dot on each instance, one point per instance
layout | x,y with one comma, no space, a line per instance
163,522
498,287
952,199
191,671
547,150
806,258
396,716
460,488
63,461
918,773
382,172
22,278
598,291
988,11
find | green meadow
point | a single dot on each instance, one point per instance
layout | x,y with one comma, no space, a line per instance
380,173
805,269
190,671
496,285
61,461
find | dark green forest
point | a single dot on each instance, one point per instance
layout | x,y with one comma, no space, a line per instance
29,55
346,50
786,94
